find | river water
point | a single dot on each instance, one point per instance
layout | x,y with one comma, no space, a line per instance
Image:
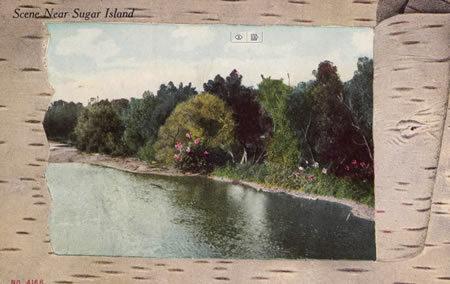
103,211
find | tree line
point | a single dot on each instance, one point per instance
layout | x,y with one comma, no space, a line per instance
323,122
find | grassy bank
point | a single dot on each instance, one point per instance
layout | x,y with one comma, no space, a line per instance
310,180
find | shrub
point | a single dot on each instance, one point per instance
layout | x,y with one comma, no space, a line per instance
147,152
205,117
309,179
193,156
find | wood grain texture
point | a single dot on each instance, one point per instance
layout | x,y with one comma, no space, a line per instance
411,83
412,173
390,8
429,6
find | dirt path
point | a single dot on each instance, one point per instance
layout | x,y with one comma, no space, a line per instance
60,153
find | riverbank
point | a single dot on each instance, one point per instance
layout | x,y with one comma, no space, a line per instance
61,153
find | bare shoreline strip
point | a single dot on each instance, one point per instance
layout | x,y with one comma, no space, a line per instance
62,154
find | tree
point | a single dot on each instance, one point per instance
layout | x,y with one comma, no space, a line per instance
359,100
120,106
300,114
251,125
145,116
335,124
139,123
99,129
331,130
285,149
170,96
204,117
60,120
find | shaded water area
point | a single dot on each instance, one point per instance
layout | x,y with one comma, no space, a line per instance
104,211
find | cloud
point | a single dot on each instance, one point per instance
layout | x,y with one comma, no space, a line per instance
126,83
189,38
127,71
363,41
86,42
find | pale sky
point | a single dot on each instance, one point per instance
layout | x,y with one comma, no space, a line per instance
123,60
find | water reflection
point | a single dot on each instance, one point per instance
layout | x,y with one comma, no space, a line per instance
101,211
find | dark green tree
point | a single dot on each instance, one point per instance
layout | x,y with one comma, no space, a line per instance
251,125
139,123
170,96
335,125
358,94
60,120
300,114
331,129
99,129
120,106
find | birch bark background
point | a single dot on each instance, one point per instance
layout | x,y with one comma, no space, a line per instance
411,131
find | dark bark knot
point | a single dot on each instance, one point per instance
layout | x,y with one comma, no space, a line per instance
409,128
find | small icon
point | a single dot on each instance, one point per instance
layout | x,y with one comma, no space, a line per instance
255,37
237,37
246,37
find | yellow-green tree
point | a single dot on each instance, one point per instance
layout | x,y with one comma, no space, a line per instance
285,148
203,117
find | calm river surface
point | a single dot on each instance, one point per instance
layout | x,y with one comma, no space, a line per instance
103,211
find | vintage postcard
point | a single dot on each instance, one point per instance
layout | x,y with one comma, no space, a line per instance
277,108
234,141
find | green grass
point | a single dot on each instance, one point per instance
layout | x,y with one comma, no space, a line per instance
320,184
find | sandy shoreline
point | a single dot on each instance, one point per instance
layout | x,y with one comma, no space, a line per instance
60,153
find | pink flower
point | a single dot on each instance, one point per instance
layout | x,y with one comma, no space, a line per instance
297,174
178,146
188,136
197,141
176,157
354,162
301,169
325,171
188,150
206,153
310,176
347,168
362,164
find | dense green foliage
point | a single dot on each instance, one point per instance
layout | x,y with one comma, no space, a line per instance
311,180
145,116
251,124
61,119
99,129
140,124
330,131
284,147
274,134
204,117
358,94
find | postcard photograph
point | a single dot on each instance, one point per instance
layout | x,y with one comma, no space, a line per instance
211,141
